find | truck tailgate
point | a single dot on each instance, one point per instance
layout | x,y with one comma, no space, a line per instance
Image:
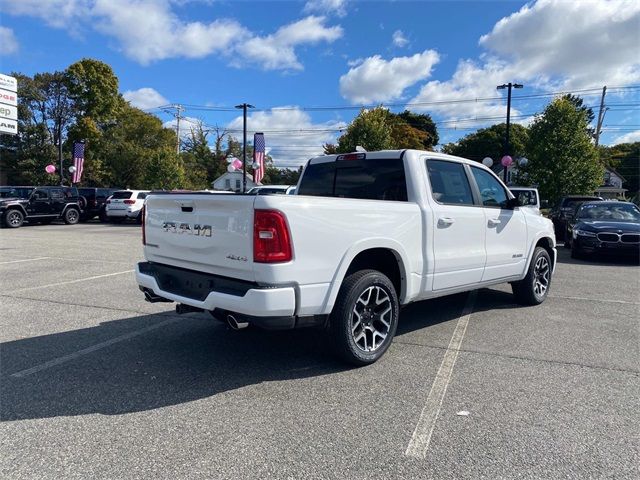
205,232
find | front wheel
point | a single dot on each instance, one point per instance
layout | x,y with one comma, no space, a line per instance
13,218
71,216
534,288
365,317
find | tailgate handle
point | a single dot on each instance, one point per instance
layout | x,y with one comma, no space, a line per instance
185,205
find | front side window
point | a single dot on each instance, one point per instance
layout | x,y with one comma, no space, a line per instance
449,183
40,195
492,192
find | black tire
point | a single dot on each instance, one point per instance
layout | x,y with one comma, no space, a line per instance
71,216
82,202
349,342
13,218
534,288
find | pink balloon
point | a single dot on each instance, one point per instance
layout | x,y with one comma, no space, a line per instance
506,161
50,168
237,164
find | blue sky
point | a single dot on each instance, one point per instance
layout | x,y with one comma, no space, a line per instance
285,57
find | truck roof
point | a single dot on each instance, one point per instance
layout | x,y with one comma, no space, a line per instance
391,154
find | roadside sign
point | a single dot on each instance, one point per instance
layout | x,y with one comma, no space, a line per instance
8,105
8,126
8,111
8,97
8,83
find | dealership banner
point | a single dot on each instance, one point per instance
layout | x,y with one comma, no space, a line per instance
8,83
8,111
8,104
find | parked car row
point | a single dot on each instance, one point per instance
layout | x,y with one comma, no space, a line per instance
20,204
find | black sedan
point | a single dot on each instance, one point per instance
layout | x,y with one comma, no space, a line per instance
605,227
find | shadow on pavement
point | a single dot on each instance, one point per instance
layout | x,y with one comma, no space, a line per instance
192,358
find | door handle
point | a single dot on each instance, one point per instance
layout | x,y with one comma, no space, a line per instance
445,221
494,222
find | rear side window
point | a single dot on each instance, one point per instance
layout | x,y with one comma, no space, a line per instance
141,195
449,183
121,195
57,194
378,179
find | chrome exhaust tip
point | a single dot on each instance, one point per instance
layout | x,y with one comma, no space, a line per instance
234,324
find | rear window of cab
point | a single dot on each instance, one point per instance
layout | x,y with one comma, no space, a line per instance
367,179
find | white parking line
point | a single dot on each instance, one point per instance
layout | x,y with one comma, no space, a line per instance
85,351
605,300
68,282
25,260
419,443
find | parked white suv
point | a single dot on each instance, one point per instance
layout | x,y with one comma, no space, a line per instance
125,204
364,234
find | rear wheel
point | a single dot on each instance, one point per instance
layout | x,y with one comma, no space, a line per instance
71,216
534,288
13,218
365,317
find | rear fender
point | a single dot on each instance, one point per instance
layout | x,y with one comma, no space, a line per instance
395,247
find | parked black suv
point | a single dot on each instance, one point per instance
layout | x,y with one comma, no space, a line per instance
38,204
94,200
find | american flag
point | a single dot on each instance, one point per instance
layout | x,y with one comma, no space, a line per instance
78,161
258,157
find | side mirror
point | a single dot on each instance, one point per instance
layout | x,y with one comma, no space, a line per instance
513,203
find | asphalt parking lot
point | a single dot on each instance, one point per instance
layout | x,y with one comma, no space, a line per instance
98,383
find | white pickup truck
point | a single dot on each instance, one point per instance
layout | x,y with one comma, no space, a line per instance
365,234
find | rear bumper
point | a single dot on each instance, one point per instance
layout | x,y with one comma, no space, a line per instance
254,302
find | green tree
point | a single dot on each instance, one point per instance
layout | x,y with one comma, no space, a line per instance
625,159
562,158
94,88
489,142
371,129
163,171
425,124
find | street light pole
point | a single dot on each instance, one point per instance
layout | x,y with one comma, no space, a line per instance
509,86
244,107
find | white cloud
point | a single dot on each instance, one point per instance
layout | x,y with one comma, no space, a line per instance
630,137
551,45
290,135
399,40
149,30
574,44
326,7
8,41
379,80
276,51
145,98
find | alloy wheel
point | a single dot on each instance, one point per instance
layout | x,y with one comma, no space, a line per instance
371,319
542,275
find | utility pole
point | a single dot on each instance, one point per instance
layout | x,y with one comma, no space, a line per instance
600,116
60,155
244,107
509,86
179,109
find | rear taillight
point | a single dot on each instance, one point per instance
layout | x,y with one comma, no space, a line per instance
144,234
129,202
271,239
